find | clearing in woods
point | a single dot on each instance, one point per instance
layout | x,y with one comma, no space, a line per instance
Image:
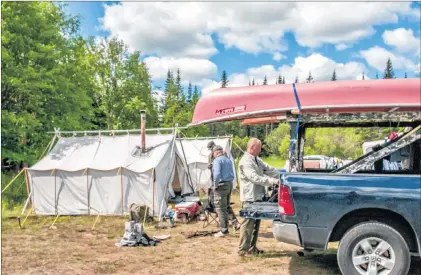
73,248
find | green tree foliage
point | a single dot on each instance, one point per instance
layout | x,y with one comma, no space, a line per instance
334,76
275,139
283,80
388,71
344,143
253,83
363,78
44,84
224,79
239,146
279,80
189,93
265,81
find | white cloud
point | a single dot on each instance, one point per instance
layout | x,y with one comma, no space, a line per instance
278,56
160,28
191,69
403,40
339,22
185,28
210,86
321,69
341,47
377,57
158,95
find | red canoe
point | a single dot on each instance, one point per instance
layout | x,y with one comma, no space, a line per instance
358,96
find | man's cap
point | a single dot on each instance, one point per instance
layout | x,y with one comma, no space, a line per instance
217,148
211,144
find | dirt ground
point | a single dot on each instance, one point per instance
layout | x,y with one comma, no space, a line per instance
71,247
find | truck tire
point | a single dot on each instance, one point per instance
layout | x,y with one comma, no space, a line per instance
373,248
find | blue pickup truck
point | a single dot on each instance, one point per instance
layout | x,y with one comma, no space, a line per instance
376,217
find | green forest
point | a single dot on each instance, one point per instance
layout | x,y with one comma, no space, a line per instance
52,77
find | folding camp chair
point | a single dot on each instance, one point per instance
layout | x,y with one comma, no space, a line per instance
210,217
210,214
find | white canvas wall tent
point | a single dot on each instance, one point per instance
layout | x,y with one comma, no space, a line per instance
196,158
102,175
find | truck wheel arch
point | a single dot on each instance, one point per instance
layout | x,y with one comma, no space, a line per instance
389,217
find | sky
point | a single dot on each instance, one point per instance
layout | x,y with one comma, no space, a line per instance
253,39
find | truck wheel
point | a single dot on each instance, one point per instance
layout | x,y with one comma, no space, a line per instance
373,248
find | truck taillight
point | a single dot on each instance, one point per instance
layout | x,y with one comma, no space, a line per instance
285,204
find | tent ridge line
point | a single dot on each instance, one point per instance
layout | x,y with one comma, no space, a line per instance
198,138
83,169
116,131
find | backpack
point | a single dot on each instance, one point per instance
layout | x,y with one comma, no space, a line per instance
134,235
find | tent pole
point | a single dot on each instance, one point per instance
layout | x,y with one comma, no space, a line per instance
87,189
28,188
188,170
51,144
55,191
166,187
122,196
153,192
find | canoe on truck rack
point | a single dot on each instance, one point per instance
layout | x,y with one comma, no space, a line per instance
261,120
386,96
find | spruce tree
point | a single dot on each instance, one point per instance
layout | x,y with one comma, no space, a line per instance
252,83
265,81
334,76
279,79
363,78
196,96
388,72
189,93
406,76
309,79
224,79
283,80
180,91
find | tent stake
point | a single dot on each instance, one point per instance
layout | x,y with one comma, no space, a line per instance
51,226
93,226
29,212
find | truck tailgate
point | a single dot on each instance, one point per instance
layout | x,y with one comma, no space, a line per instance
261,211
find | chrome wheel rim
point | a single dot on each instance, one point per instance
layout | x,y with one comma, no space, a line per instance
373,256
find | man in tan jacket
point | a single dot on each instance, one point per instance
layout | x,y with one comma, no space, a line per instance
254,176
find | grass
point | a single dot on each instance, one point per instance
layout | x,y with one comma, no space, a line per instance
274,161
73,247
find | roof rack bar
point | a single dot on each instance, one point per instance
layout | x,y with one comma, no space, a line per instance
116,131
